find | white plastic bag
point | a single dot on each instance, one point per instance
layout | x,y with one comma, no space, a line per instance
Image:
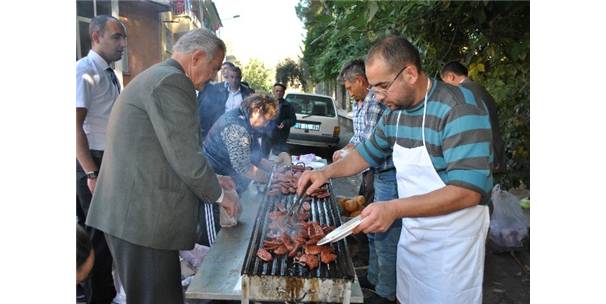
195,256
226,220
508,223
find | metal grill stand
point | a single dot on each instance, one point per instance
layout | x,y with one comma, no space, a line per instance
283,279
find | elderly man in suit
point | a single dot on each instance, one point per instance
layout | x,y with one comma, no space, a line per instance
153,174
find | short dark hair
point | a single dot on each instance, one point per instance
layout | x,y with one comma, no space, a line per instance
397,51
97,24
351,69
237,71
454,67
83,246
263,101
280,85
229,64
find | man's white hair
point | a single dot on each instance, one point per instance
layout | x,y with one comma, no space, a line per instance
200,39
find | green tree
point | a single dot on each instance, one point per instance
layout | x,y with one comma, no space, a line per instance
257,75
491,37
291,73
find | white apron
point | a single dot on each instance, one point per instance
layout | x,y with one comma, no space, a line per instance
440,258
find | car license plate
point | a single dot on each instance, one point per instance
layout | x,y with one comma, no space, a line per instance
307,126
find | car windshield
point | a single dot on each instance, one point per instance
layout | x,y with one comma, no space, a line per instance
312,105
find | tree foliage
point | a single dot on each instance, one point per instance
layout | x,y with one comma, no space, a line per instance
257,75
491,37
291,73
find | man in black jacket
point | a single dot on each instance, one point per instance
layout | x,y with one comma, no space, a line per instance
280,127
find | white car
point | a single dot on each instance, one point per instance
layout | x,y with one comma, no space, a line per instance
317,121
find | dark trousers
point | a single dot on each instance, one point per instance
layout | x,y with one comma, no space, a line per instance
367,188
149,275
100,284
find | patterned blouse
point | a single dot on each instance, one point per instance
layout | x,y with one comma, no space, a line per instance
238,143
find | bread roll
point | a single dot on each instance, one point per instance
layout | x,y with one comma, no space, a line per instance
350,205
360,200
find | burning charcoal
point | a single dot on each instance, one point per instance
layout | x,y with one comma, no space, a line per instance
264,255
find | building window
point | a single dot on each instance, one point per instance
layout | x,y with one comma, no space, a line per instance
85,11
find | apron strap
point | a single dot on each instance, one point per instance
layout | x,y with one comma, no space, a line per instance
397,125
425,111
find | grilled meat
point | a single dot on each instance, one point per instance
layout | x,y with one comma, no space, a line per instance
264,255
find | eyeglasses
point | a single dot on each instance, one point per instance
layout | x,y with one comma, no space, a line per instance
382,89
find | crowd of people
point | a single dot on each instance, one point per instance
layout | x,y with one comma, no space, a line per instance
166,172
158,160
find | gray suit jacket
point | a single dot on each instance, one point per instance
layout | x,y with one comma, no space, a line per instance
153,174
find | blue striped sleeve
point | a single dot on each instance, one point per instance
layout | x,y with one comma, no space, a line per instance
468,161
376,148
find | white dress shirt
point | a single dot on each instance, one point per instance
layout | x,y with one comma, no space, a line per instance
233,100
96,92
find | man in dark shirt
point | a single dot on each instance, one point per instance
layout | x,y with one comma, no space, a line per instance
281,125
455,73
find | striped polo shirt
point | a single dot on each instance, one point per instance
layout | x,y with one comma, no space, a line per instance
457,136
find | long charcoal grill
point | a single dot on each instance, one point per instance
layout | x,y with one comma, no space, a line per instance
282,279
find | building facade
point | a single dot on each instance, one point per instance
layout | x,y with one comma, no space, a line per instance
152,28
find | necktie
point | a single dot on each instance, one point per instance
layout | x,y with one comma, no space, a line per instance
113,77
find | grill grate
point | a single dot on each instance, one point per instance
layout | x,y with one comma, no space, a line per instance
323,211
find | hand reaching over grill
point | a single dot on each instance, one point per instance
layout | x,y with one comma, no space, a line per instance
316,178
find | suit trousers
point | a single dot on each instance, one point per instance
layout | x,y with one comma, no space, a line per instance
100,284
149,275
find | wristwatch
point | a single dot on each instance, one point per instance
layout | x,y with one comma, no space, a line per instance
92,174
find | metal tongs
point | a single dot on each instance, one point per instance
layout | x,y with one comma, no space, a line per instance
342,231
298,202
